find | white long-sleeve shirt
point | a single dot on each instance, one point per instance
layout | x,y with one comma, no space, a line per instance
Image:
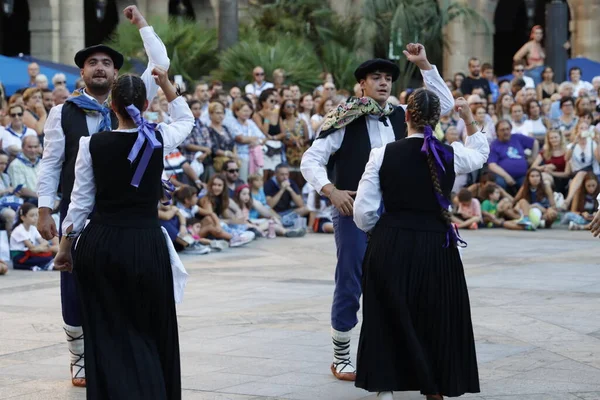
84,189
368,197
314,160
54,139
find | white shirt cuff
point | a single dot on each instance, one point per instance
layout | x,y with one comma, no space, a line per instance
46,201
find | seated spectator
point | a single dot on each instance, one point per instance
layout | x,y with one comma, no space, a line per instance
35,114
583,105
9,201
12,136
197,147
174,222
232,176
59,79
468,213
552,161
505,101
547,87
47,99
258,194
247,205
28,250
179,171
517,118
215,206
323,107
585,204
519,73
490,213
486,179
535,125
534,194
567,120
507,159
485,123
284,196
583,156
23,169
321,212
580,87
60,94
222,138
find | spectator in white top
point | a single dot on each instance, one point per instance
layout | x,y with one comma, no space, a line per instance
579,87
59,79
15,132
519,73
255,88
517,118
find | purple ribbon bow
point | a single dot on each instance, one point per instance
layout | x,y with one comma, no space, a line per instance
145,133
439,151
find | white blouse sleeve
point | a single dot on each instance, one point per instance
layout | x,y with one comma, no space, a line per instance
471,156
83,196
314,160
183,121
368,196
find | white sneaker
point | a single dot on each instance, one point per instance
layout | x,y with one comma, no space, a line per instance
218,245
197,248
242,239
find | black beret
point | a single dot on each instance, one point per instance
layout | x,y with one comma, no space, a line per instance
84,54
377,64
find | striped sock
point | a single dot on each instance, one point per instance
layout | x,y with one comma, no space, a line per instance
341,351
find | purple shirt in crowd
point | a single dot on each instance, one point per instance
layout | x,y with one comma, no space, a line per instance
511,155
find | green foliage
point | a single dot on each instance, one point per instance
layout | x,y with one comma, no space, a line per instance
341,62
191,48
404,21
295,56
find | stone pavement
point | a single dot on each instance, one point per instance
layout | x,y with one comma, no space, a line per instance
255,322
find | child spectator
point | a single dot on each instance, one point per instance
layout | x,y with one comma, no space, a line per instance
468,214
534,194
174,221
585,204
552,162
255,182
489,210
321,209
28,249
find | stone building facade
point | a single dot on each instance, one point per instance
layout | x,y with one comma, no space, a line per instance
57,27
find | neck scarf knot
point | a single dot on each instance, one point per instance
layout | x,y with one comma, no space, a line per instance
90,106
352,109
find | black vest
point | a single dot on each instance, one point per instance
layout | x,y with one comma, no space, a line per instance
74,125
347,165
407,187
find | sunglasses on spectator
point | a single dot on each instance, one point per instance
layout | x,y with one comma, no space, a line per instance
259,74
330,88
290,106
233,171
60,82
519,70
15,115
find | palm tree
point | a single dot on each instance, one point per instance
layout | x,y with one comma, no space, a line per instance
388,25
228,23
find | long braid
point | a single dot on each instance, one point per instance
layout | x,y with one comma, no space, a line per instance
424,108
128,89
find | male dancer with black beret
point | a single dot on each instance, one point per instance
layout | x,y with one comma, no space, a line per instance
347,136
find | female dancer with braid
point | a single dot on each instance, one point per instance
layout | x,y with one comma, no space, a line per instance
417,332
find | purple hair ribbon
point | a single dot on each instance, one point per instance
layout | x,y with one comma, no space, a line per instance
439,151
168,188
147,134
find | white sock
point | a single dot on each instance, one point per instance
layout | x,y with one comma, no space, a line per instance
341,351
76,349
385,396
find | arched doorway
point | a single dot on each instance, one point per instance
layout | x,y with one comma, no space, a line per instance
14,31
511,31
99,30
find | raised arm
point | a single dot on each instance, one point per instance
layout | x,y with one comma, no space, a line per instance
155,49
471,156
368,196
415,53
183,120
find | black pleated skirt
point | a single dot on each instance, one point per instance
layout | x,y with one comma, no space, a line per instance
125,286
417,333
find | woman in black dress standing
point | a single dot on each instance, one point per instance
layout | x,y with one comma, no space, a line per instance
122,265
417,333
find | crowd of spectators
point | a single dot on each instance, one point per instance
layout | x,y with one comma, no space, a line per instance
237,176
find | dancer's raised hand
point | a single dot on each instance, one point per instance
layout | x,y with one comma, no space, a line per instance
462,108
133,14
161,77
415,53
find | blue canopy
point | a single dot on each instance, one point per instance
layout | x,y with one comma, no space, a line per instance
13,74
